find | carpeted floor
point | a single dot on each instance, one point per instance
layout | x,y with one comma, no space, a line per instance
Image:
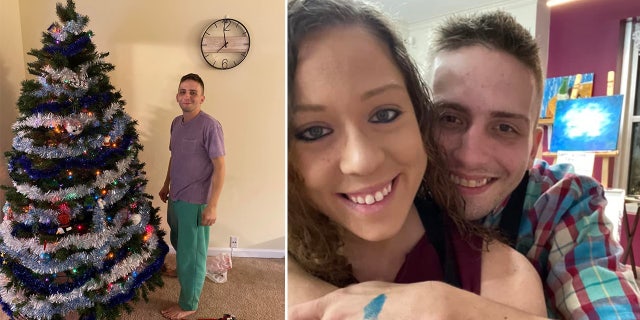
254,290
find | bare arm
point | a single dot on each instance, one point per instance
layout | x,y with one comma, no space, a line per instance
217,181
510,289
421,300
210,213
164,192
509,278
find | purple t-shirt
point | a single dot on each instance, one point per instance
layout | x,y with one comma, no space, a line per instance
193,145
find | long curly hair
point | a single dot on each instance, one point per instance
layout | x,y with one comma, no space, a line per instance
314,241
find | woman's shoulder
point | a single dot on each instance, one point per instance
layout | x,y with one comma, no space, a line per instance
508,277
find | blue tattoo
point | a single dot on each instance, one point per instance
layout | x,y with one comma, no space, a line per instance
372,310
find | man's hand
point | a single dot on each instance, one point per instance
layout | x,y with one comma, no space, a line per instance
164,194
209,215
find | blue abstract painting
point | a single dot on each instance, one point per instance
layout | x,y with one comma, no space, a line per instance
587,124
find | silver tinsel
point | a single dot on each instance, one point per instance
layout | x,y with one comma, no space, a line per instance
61,151
49,120
64,303
28,253
67,76
61,33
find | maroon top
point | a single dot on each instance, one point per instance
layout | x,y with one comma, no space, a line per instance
423,264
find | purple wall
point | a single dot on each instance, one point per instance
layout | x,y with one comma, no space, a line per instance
586,36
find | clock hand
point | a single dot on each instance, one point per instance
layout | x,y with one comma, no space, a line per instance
224,45
224,35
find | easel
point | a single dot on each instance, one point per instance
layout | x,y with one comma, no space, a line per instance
604,155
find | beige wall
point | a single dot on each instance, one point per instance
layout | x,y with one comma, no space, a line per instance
11,73
419,34
152,44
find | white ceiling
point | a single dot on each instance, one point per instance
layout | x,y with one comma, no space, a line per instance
412,11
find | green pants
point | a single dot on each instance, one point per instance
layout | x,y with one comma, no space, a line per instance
191,241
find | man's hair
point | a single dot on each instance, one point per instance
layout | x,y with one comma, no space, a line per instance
314,241
496,30
194,77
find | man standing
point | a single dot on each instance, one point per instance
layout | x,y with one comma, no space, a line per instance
193,184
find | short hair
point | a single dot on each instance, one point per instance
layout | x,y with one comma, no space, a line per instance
314,240
194,77
496,30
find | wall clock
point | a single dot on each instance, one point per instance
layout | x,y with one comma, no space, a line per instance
225,43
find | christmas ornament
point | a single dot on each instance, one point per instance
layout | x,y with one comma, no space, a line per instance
73,126
136,218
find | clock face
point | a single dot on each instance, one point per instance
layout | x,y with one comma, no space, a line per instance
225,43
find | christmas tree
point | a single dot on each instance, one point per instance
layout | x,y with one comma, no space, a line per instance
79,234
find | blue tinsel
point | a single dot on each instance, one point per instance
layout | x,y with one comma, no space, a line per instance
53,107
142,276
57,107
71,163
35,283
71,49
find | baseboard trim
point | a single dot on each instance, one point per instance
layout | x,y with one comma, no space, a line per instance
244,253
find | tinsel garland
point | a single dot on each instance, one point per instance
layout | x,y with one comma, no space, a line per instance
61,151
71,49
95,259
48,119
119,123
39,215
57,107
36,285
73,261
85,241
25,163
78,80
51,106
64,303
73,27
71,193
58,89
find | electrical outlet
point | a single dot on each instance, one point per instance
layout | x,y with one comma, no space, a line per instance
233,242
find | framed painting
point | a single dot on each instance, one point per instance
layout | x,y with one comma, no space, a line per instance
589,124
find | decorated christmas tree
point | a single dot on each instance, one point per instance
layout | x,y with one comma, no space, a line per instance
79,234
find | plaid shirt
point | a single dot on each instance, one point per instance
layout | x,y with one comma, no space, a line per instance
566,236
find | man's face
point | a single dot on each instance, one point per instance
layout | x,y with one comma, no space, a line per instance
487,101
190,96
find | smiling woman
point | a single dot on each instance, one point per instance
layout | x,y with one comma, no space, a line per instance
366,180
